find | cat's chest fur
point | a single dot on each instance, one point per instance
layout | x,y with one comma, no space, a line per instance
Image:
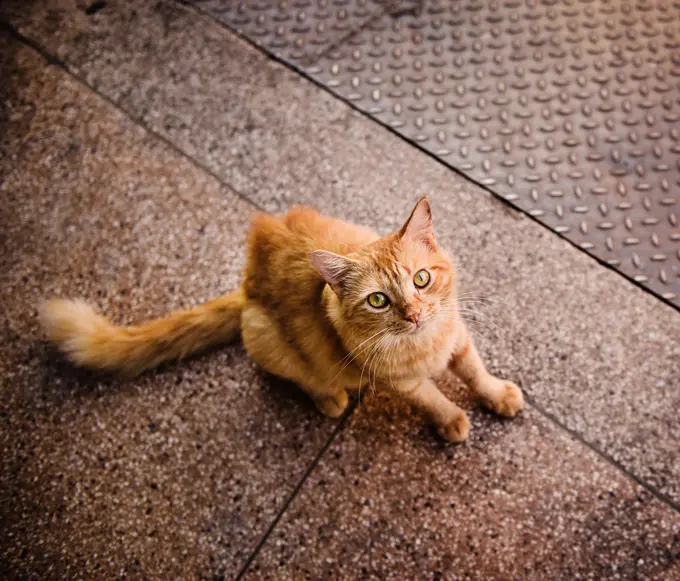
420,356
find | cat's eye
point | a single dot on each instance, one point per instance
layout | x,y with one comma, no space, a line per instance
421,279
378,300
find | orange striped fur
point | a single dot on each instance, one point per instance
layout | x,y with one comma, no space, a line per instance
303,313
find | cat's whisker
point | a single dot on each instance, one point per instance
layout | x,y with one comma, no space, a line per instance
380,359
476,314
483,299
371,348
392,348
463,312
357,347
476,296
356,353
459,316
474,304
371,359
371,353
480,329
468,310
476,317
374,361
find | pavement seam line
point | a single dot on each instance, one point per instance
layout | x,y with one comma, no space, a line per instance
613,462
497,197
52,60
291,497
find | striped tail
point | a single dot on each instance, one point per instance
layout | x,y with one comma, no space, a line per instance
90,340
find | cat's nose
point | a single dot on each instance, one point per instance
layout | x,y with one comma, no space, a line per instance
413,317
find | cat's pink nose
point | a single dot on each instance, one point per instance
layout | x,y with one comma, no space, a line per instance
413,317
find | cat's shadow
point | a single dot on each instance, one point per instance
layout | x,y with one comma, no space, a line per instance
60,376
61,379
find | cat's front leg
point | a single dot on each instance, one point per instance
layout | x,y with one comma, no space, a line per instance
498,395
451,422
333,404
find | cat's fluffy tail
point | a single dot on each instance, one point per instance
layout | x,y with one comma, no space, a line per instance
90,340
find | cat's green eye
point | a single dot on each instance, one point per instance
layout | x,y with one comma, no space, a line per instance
378,300
422,278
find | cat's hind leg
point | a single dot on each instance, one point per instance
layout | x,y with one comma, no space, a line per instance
267,346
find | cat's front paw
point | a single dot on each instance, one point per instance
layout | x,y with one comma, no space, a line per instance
332,406
457,430
506,399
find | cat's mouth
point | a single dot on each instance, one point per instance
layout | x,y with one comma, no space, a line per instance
416,328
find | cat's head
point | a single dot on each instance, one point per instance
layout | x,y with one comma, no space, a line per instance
401,285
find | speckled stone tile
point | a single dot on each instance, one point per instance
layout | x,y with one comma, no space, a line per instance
175,475
521,501
596,352
672,574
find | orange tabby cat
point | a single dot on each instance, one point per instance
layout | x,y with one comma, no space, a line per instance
326,304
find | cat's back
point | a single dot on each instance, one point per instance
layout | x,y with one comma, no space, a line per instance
328,233
279,271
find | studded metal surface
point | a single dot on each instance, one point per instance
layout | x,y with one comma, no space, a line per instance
568,109
298,31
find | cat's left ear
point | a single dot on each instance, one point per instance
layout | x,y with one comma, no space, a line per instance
334,269
418,227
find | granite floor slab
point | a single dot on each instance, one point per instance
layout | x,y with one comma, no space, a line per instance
174,475
521,501
599,355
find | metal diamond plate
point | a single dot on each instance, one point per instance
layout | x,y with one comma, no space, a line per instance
297,31
568,109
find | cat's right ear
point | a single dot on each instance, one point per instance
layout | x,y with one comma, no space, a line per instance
418,227
333,268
